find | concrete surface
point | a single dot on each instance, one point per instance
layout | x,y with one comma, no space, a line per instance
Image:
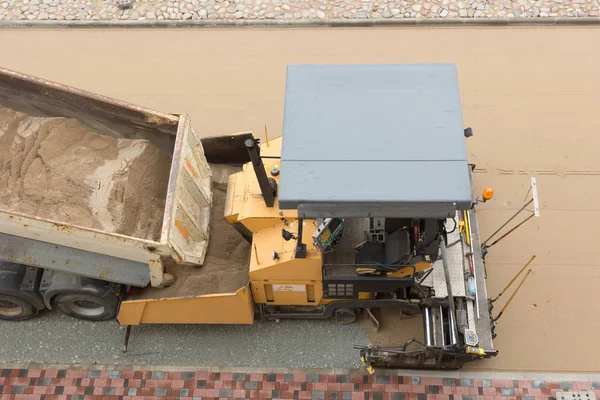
531,95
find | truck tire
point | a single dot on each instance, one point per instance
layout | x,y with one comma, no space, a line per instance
86,306
13,308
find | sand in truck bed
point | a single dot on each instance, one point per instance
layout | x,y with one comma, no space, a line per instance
227,261
59,169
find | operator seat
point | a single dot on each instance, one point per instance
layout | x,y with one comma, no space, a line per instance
395,250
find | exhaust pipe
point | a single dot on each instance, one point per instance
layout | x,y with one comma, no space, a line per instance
259,169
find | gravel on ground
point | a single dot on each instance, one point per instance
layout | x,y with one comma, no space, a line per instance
59,339
292,10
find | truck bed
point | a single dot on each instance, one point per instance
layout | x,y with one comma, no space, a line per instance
184,232
58,168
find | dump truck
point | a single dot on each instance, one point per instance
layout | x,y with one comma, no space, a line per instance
365,202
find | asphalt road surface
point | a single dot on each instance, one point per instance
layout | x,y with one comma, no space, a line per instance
532,96
60,339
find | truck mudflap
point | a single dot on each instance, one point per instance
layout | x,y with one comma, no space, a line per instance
423,357
221,308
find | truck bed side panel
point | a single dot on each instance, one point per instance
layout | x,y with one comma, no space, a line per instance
46,98
77,237
39,254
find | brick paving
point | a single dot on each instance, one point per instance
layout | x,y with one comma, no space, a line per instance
48,384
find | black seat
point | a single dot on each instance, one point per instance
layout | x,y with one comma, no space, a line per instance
397,247
370,253
395,250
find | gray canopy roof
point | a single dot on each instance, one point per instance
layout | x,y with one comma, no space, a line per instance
373,140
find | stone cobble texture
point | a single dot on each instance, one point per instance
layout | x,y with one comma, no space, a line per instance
291,10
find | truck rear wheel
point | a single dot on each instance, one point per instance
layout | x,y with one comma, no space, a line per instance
86,306
13,308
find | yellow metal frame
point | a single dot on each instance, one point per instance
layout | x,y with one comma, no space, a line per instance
467,227
222,308
276,276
